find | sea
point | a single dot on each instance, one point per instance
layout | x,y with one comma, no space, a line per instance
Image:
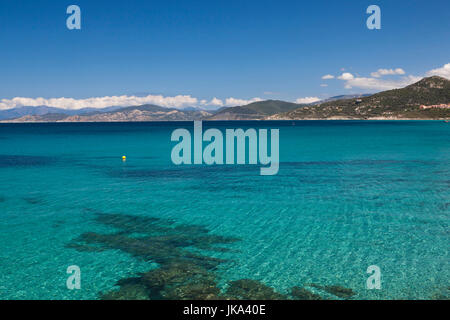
348,196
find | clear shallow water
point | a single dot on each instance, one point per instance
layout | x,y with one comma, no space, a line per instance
349,194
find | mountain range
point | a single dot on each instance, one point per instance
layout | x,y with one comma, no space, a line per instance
44,110
111,114
407,103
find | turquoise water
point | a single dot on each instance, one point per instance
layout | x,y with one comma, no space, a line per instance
349,194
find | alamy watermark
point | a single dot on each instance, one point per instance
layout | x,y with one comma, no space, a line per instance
74,20
214,152
74,280
374,20
374,280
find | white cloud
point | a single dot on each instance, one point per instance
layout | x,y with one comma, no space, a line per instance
307,100
215,102
379,84
327,76
324,85
179,101
385,72
229,102
232,102
444,71
346,76
376,83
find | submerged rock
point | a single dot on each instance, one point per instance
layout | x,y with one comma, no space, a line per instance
202,290
127,292
304,294
176,281
247,289
336,290
183,272
340,292
444,294
176,273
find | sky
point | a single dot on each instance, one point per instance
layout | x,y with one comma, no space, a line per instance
214,53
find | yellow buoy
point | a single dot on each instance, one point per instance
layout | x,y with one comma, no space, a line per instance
124,158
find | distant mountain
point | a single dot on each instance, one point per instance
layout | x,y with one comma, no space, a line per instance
402,103
23,111
139,113
254,111
194,109
406,103
44,110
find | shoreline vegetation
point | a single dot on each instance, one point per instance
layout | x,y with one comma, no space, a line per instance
427,99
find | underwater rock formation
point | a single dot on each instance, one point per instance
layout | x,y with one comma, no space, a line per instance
336,290
304,294
443,294
339,291
183,272
130,289
247,289
182,280
202,290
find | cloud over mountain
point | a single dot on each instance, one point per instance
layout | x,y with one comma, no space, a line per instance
399,79
179,101
307,100
379,84
444,71
231,102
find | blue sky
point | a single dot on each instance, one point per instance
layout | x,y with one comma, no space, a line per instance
189,52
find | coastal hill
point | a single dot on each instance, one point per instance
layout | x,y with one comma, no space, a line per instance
402,103
254,111
428,98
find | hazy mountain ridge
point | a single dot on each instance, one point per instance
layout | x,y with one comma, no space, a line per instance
392,104
44,110
138,113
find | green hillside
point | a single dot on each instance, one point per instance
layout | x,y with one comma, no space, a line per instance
255,110
397,103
